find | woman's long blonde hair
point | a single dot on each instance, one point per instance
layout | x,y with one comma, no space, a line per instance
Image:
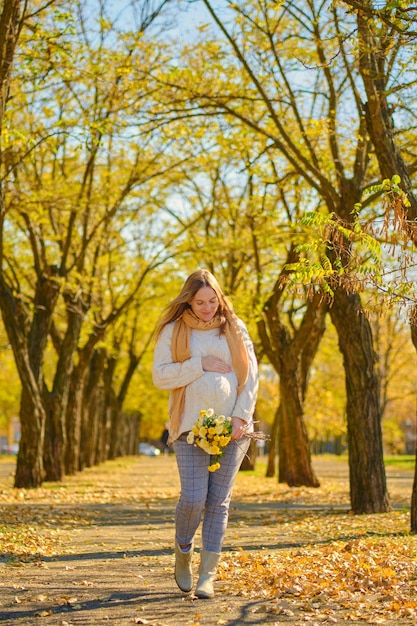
195,281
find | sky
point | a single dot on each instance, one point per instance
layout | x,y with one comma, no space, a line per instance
187,15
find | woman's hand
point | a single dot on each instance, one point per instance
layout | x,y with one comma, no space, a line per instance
214,364
238,427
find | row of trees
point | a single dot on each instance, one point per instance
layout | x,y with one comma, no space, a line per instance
324,409
255,149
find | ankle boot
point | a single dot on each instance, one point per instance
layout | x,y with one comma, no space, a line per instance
207,571
183,571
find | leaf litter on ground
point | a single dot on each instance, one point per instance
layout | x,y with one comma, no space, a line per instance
346,567
331,566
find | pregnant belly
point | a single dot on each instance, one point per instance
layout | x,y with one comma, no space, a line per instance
213,390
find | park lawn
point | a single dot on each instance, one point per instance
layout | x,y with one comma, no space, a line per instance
401,461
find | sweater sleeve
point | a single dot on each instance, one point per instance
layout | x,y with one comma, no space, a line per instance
168,374
246,400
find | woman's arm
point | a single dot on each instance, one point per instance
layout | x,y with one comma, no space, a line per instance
169,374
246,400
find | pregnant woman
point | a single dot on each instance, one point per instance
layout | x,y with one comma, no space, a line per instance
205,357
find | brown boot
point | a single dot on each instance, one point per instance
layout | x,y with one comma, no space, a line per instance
183,571
207,571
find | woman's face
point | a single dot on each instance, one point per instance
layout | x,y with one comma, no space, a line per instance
205,304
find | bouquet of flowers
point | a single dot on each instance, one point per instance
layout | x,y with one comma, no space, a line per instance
211,433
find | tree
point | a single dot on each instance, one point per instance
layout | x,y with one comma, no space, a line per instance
11,24
287,79
380,42
64,278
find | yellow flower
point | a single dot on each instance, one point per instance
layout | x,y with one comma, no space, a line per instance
211,433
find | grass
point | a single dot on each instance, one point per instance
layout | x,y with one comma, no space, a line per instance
7,457
401,461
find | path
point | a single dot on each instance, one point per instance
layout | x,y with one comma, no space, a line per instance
113,558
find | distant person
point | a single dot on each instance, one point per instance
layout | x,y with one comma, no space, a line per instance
204,355
164,439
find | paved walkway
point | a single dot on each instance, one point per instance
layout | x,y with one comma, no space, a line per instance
112,560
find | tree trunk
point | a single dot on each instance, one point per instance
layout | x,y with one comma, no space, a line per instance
55,439
368,489
46,296
57,400
294,458
93,403
113,411
134,419
413,518
29,467
75,414
103,441
291,354
73,420
34,405
118,444
95,436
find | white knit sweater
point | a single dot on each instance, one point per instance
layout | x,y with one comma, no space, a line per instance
205,390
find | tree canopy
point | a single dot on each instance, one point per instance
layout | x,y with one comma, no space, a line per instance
274,146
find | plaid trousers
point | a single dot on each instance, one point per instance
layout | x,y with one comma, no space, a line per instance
205,494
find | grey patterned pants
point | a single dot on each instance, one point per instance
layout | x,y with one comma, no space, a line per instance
204,491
